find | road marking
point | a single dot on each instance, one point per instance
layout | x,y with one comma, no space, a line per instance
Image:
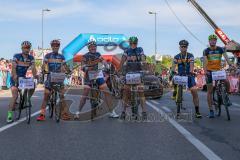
208,153
17,122
24,118
166,109
154,102
235,104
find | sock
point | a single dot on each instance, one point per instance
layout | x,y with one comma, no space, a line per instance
196,109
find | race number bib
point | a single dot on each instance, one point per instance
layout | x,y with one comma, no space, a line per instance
180,80
219,75
57,77
26,83
133,78
93,75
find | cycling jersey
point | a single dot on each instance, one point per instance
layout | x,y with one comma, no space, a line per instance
214,58
22,64
91,57
54,61
137,52
88,60
183,62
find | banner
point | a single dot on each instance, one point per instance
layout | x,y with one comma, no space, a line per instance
82,40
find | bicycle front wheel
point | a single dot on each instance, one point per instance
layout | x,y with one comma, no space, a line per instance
20,106
225,101
217,102
58,109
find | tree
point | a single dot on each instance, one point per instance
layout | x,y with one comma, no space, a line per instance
198,62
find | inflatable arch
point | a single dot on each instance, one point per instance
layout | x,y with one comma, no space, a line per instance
101,39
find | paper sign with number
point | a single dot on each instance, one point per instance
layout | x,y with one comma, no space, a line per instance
133,78
93,75
219,75
181,80
26,83
57,77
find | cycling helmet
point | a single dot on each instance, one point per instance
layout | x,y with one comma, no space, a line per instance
55,41
91,43
133,40
212,36
26,44
183,43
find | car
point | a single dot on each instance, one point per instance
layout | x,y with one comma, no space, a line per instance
153,88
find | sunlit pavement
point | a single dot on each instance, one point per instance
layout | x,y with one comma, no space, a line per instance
160,137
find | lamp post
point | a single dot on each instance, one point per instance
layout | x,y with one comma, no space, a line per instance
43,10
155,18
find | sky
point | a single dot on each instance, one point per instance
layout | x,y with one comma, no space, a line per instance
21,20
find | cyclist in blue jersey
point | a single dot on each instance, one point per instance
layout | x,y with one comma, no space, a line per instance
184,61
53,62
90,62
133,54
20,64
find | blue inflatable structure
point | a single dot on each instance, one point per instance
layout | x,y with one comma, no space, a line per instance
101,39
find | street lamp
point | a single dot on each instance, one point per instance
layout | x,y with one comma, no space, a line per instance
43,10
155,17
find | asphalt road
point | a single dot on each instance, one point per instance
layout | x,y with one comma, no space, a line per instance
161,137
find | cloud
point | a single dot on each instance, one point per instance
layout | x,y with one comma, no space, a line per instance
125,13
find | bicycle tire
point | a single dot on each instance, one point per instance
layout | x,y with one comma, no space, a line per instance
57,108
51,107
225,100
217,101
179,98
28,114
134,103
20,106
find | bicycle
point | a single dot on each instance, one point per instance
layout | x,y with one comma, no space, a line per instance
24,88
55,106
133,78
221,98
180,81
95,98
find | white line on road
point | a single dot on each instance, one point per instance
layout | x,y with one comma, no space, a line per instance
208,153
19,121
235,104
166,109
24,118
155,102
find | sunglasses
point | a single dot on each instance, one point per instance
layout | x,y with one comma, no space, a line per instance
133,43
26,47
55,45
184,47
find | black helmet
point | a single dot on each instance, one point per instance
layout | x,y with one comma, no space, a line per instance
91,43
183,43
26,43
55,41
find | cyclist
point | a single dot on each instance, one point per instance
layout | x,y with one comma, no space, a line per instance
133,54
53,62
20,64
212,62
90,62
185,64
